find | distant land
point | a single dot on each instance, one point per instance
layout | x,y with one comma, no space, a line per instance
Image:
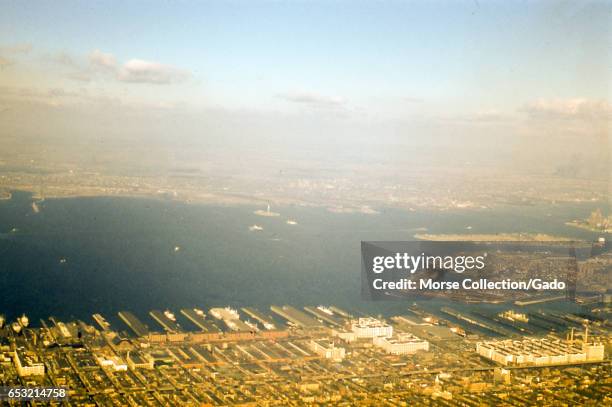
497,237
585,226
596,222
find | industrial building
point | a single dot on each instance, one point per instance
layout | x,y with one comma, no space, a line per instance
540,352
28,364
371,328
401,344
327,349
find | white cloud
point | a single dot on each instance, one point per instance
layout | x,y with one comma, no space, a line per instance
102,60
313,99
105,66
139,71
576,109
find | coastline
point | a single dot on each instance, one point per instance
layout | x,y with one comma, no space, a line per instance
498,237
582,226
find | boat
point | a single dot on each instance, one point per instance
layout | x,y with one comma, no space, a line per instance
251,325
291,222
170,315
325,309
255,228
267,212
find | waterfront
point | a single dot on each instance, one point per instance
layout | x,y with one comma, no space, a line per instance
78,256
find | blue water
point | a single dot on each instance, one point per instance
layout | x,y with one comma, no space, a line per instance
119,252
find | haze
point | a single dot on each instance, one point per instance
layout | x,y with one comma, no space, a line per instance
272,99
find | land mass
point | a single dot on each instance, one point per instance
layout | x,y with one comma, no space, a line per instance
497,237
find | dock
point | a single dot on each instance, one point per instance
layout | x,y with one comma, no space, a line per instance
267,322
323,316
296,317
165,322
101,321
134,323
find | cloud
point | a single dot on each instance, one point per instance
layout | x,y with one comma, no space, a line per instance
101,65
102,60
21,48
480,117
139,71
62,58
313,99
412,99
569,109
10,53
4,62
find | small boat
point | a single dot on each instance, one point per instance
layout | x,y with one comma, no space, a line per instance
170,315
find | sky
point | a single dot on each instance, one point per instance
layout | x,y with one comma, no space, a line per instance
405,69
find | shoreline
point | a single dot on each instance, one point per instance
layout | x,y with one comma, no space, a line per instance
577,225
499,237
220,198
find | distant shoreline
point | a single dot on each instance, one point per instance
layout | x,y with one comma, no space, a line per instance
584,226
499,237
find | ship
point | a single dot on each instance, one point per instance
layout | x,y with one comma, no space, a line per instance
224,313
267,212
510,315
255,228
325,310
251,325
166,320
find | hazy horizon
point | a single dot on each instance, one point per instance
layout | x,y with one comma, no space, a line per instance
317,90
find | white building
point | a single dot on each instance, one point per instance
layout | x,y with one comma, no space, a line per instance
27,364
371,328
540,352
113,362
327,349
402,344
